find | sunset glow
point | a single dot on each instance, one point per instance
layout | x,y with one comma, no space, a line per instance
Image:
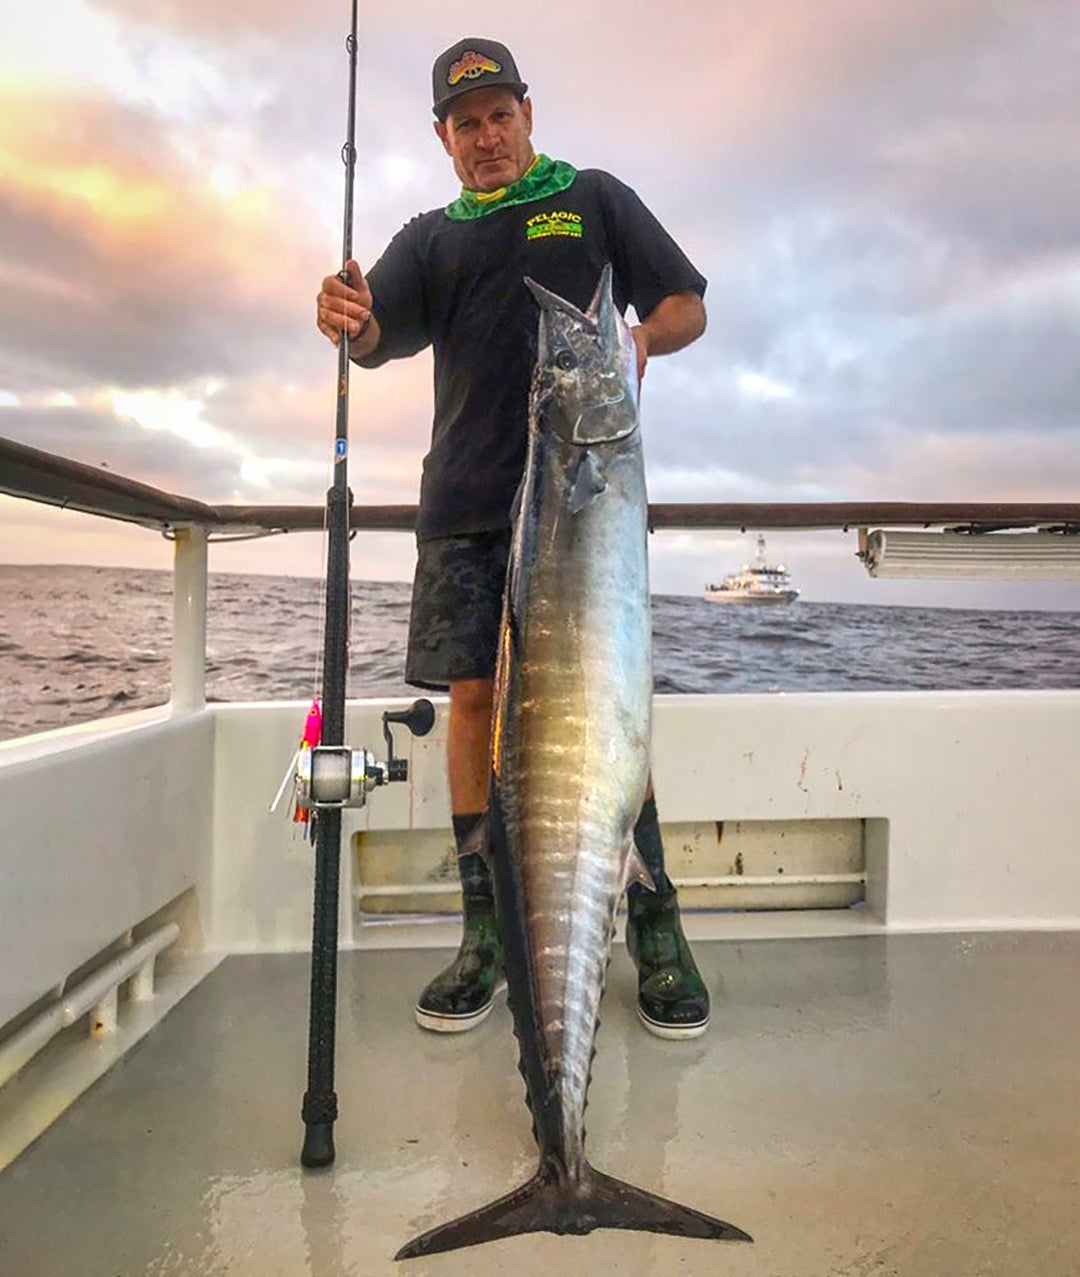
877,196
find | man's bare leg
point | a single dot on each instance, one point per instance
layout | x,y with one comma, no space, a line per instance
468,747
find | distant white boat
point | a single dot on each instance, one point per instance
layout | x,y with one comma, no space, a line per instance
756,583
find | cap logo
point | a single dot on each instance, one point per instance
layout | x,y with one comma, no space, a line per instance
470,66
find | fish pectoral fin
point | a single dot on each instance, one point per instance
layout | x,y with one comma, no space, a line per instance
589,482
637,870
552,1205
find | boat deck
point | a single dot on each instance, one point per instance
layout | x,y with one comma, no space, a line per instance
862,1105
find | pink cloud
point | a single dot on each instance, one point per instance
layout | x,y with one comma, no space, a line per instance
157,263
1012,465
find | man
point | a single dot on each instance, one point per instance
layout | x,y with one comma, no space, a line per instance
452,278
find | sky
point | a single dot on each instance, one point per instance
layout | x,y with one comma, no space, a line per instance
884,198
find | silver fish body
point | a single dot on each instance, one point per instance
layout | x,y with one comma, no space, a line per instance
570,748
570,761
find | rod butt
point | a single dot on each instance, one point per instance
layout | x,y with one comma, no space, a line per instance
318,1147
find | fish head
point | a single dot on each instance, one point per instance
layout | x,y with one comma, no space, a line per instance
587,366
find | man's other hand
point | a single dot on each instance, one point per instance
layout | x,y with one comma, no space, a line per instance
340,304
641,343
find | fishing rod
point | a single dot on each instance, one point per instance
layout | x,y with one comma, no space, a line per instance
330,776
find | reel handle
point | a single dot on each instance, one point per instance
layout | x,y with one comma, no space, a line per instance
419,718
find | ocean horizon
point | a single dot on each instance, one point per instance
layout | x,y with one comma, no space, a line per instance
78,643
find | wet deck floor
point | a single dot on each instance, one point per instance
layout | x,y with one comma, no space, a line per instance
862,1106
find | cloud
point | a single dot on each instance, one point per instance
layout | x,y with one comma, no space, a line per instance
253,442
1009,466
883,197
98,436
163,277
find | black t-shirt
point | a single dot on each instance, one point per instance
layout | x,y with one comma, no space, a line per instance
458,286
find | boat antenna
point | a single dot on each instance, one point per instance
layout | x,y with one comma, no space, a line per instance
319,1109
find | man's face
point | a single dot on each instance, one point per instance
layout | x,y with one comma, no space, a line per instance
487,134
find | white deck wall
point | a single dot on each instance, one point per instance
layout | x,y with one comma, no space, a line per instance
101,825
974,820
977,788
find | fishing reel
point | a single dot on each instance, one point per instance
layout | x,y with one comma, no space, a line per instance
325,776
340,776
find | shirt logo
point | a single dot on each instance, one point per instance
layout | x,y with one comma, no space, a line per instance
544,225
470,66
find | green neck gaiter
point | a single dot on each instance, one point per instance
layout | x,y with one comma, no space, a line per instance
542,178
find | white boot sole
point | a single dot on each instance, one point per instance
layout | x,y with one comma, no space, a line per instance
673,1033
436,1023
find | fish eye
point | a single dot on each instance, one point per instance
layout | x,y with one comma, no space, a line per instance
566,360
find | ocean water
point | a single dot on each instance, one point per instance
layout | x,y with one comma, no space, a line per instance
78,643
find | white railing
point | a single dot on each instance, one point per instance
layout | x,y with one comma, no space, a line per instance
362,890
98,993
189,621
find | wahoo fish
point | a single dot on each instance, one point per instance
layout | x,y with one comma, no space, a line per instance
570,763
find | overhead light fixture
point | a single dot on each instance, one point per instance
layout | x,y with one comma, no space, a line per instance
971,555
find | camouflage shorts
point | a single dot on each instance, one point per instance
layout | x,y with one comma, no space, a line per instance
456,607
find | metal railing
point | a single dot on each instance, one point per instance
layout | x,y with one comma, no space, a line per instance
44,477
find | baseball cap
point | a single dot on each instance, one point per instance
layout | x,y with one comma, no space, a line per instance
472,63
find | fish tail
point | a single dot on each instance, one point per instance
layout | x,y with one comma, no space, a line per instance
527,1209
616,1204
556,1205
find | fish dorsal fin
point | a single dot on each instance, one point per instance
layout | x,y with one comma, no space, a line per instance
589,482
602,307
637,870
514,600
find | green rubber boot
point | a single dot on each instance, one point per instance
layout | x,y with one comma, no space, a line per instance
461,997
673,1001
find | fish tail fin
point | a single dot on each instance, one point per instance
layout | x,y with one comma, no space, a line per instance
615,1204
548,1204
526,1210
